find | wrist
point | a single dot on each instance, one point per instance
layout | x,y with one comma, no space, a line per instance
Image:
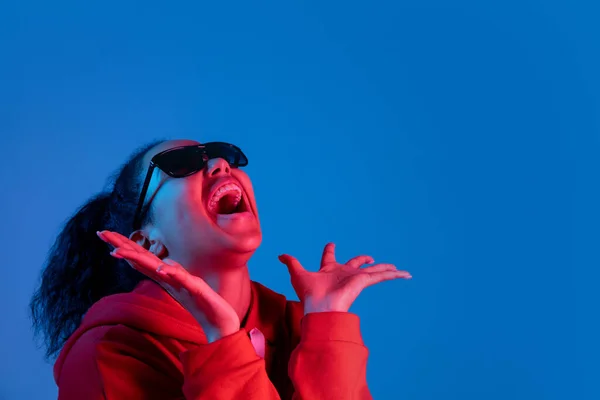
321,308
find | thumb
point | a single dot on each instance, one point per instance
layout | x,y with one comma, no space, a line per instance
293,265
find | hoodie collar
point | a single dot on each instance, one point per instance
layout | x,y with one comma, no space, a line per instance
265,312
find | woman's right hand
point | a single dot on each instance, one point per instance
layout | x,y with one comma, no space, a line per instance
216,317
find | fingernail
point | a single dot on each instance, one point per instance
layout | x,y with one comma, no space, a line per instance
115,254
161,270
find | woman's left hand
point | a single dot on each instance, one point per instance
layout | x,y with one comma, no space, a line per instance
335,286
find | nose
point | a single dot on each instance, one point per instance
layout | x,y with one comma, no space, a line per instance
217,166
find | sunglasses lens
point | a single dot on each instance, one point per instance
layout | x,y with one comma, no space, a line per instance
228,152
185,161
182,162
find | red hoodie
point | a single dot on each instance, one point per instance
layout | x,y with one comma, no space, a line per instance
144,345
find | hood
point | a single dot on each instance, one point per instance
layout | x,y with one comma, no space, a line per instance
151,309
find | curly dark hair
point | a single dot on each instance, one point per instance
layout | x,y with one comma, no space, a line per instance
79,270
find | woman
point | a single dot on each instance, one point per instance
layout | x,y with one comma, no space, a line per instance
186,321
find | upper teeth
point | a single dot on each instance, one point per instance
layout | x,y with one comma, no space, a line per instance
230,188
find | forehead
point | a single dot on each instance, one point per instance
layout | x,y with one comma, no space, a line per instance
169,144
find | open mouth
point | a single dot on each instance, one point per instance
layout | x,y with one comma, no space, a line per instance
228,199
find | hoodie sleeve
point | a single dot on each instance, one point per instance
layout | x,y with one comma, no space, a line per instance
328,363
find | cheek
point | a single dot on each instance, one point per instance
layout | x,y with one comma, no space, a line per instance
177,204
245,181
190,201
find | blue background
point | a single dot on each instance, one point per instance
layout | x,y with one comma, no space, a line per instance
458,140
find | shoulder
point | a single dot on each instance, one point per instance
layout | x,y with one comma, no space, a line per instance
98,343
76,370
116,359
82,352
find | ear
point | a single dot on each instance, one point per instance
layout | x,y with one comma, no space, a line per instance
156,247
140,238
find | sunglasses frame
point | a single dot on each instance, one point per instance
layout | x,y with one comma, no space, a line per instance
241,161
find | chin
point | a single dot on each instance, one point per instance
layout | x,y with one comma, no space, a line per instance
245,243
235,250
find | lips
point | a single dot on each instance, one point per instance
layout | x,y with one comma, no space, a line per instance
226,198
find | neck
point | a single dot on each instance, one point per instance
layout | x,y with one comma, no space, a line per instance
232,283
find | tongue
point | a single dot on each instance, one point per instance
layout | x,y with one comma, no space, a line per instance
227,205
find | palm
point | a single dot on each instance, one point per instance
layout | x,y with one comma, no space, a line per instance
212,311
336,280
335,286
206,305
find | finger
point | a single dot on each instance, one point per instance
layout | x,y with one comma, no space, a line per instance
145,261
128,243
176,276
360,260
140,268
294,266
117,240
195,285
155,276
109,236
386,276
328,254
171,285
163,271
379,268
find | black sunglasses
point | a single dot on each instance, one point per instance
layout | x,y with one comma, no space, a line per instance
179,162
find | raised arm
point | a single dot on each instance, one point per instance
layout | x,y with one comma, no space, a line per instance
330,361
